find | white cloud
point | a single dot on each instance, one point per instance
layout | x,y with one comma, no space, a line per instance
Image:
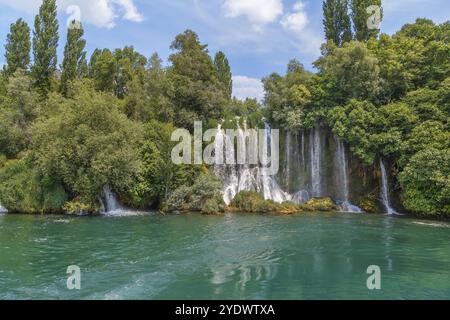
246,87
296,21
100,13
306,40
131,12
258,12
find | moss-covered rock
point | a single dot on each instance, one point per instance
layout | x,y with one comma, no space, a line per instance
321,204
368,205
79,208
253,202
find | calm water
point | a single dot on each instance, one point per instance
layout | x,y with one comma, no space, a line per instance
323,256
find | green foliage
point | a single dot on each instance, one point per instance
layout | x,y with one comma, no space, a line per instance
17,48
129,65
45,43
350,72
158,176
223,71
204,195
354,122
426,182
152,98
87,144
360,17
74,63
79,208
253,202
23,190
336,21
199,94
102,68
19,108
288,97
321,204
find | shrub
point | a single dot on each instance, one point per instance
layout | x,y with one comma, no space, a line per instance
205,195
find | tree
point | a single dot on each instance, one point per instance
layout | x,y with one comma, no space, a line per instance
350,72
337,21
45,43
288,97
74,63
130,64
113,71
199,94
159,176
360,16
224,72
17,48
151,98
426,182
87,144
102,69
17,112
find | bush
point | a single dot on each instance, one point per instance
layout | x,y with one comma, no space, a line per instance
426,182
23,190
253,202
321,204
79,208
205,196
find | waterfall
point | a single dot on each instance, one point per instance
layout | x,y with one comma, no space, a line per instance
303,150
110,204
315,154
244,177
385,190
288,159
342,177
2,209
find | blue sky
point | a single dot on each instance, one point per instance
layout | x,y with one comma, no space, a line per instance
258,36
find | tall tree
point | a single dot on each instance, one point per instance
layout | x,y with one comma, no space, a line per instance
199,94
337,21
74,63
45,43
130,64
223,70
361,14
17,48
102,69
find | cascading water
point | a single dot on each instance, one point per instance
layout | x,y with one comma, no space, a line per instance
316,158
307,167
385,190
288,159
303,162
244,177
342,177
111,204
2,209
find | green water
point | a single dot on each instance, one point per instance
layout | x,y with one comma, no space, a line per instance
322,256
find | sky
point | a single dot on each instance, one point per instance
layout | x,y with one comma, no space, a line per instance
259,37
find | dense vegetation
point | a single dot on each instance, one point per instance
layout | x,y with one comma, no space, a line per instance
68,133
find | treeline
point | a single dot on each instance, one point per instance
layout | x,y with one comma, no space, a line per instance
106,120
69,131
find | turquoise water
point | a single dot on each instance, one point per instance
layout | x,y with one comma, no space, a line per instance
314,256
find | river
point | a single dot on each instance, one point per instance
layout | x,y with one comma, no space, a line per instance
150,256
